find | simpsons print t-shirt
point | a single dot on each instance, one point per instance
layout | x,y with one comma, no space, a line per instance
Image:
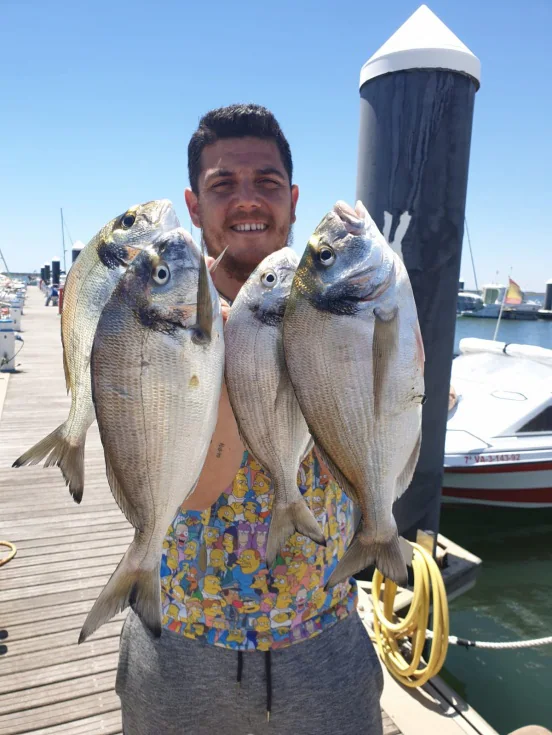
215,582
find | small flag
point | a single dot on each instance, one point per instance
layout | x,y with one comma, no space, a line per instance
514,293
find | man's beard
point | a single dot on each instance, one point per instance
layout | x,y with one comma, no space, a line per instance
235,268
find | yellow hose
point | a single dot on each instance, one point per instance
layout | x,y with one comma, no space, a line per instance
389,629
11,554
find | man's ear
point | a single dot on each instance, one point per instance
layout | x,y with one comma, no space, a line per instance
192,202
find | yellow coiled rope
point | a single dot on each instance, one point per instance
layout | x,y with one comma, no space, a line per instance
389,629
11,553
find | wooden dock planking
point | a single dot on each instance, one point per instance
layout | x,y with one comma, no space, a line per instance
65,554
48,684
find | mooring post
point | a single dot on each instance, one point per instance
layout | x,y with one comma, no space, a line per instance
416,110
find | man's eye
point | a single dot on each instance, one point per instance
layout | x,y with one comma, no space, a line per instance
269,183
222,185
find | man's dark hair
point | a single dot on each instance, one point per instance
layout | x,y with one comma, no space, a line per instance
235,121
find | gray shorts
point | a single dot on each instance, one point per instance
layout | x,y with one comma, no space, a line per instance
174,686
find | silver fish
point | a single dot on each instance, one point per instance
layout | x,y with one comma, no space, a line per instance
263,401
355,356
157,368
90,283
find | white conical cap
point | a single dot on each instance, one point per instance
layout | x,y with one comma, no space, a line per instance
78,245
423,42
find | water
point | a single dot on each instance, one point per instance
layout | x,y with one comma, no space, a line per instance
512,599
537,333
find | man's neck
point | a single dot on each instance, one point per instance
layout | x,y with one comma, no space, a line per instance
227,286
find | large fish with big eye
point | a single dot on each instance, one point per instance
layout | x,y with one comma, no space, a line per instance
263,401
90,282
355,356
157,368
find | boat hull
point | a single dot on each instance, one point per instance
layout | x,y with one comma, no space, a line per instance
517,484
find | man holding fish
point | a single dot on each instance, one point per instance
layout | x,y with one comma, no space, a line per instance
247,601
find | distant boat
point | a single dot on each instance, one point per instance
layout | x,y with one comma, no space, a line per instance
498,448
468,301
510,299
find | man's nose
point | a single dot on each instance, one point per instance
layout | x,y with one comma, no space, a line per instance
247,196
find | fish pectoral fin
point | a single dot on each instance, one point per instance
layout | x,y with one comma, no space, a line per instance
286,520
129,584
119,494
405,478
384,345
387,557
59,452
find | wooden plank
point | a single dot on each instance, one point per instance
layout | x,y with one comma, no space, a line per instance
389,727
61,672
21,568
75,518
51,512
53,641
73,585
108,723
40,661
57,606
57,624
13,607
59,692
38,546
46,576
60,534
19,723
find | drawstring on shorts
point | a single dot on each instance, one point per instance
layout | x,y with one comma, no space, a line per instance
268,676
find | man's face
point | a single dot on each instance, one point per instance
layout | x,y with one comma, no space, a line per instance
245,202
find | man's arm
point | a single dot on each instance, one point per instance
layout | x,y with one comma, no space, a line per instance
223,459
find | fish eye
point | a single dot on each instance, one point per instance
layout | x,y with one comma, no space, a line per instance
161,274
326,255
268,279
128,220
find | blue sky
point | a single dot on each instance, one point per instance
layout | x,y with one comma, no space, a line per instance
99,100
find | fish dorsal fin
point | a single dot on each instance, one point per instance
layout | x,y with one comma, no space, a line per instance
385,342
214,266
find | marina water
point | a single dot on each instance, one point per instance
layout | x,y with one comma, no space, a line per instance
512,599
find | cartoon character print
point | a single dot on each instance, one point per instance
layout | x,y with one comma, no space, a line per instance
214,580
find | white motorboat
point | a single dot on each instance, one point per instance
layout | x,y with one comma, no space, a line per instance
498,448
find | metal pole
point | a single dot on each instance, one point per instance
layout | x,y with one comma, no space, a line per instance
63,241
416,110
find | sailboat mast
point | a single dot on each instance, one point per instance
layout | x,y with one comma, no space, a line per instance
63,241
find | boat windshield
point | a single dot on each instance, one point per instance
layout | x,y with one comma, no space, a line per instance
542,422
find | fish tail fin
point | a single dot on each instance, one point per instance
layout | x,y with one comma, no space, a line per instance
387,556
286,519
129,584
204,303
58,450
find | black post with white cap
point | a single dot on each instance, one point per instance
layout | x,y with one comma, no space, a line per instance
416,110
